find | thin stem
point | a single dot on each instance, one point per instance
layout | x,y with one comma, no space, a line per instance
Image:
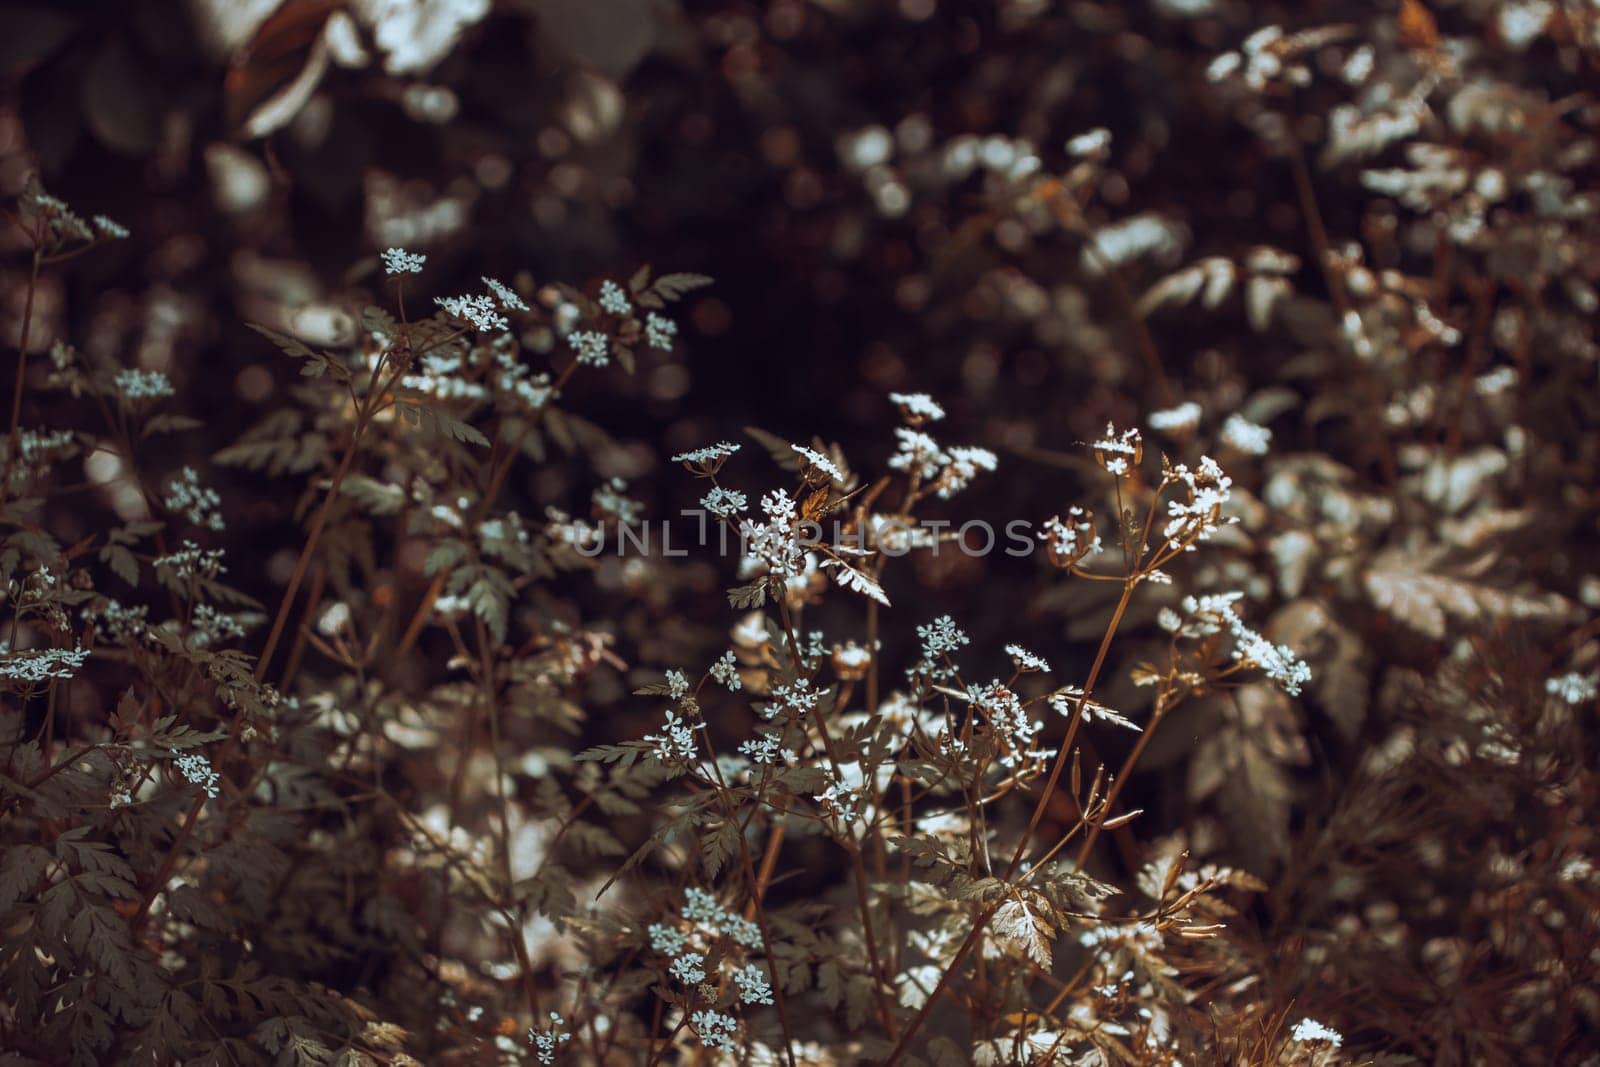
15,437
1072,727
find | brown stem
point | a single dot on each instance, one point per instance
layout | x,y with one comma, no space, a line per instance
1072,727
310,547
13,454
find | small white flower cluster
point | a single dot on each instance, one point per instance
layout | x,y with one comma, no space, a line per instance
1009,720
798,697
687,948
1025,660
1277,662
964,464
765,751
1240,433
919,454
399,261
546,1042
197,503
840,799
614,299
675,743
1309,1030
1195,519
702,908
918,406
506,295
40,664
197,769
753,985
479,310
119,624
142,384
109,228
715,1028
1266,56
1071,539
677,684
726,671
949,470
659,332
775,542
192,561
725,503
590,346
820,461
939,639
210,627
1574,688
440,376
609,501
689,968
1118,453
1185,416
704,457
1095,142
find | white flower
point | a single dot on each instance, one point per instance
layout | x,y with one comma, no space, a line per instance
763,750
197,769
199,504
798,697
1185,416
677,684
1309,1030
546,1041
1194,519
399,261
1572,687
920,405
752,983
1093,143
965,463
210,627
1277,662
689,968
506,295
109,228
1240,433
591,346
707,455
667,940
919,454
613,299
775,542
1025,660
40,664
478,310
142,384
1073,539
941,636
715,1029
724,502
659,331
191,561
676,740
726,671
1117,453
820,461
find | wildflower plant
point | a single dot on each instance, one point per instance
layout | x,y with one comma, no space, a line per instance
1262,733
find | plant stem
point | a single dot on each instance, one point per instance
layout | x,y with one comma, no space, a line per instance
15,436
